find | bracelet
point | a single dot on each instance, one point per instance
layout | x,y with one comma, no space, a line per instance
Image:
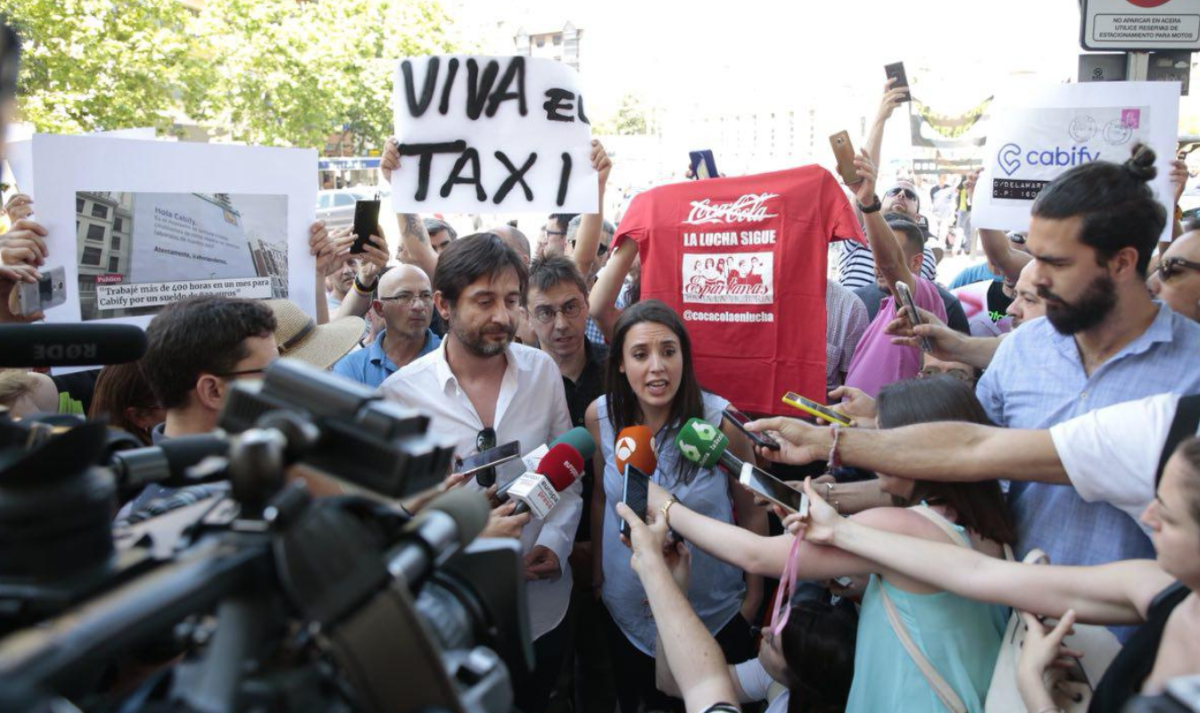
362,289
837,506
875,206
835,430
665,510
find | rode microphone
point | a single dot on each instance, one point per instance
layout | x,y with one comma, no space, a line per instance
578,438
537,492
703,444
55,345
635,446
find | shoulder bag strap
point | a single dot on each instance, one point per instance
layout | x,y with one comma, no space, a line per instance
951,531
944,692
1184,425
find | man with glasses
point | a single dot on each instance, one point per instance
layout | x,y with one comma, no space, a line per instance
1177,279
553,237
856,266
478,387
405,303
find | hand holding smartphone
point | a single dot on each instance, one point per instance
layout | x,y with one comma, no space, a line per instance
49,291
366,224
774,489
904,295
815,409
896,71
740,420
636,495
843,150
703,164
492,457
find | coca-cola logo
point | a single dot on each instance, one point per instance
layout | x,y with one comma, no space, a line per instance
750,208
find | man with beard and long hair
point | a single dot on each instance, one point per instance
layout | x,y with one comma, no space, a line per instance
481,390
1104,341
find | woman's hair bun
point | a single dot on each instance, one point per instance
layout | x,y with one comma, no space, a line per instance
1141,163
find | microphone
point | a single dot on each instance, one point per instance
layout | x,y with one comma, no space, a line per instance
537,492
635,446
55,345
703,444
443,528
578,438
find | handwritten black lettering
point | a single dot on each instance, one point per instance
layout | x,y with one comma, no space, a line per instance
559,99
565,180
416,106
515,176
472,156
477,88
451,71
579,110
426,152
514,72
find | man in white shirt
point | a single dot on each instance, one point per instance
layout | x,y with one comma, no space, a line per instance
480,388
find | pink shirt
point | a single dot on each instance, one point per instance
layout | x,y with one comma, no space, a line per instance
877,362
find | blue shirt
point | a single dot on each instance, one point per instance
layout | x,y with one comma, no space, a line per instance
371,365
1036,380
973,274
715,589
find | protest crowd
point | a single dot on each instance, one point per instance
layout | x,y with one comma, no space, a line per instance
1002,513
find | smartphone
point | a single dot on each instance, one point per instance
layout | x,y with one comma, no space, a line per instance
843,150
896,71
636,494
491,457
703,164
815,409
366,224
49,291
775,490
906,300
740,420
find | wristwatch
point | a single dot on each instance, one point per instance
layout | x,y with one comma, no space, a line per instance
875,206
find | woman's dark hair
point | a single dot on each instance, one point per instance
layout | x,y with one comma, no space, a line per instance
1189,451
818,647
467,259
120,387
1115,202
979,506
623,407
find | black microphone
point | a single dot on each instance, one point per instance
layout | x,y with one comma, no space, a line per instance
444,527
54,345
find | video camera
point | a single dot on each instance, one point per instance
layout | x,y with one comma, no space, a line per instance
264,597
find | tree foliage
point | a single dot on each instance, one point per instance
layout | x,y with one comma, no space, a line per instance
630,119
276,72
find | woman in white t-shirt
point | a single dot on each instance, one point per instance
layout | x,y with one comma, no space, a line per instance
807,668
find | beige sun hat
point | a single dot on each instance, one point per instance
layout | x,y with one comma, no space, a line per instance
320,345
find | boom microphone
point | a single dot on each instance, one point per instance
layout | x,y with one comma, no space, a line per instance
55,345
703,444
635,446
537,492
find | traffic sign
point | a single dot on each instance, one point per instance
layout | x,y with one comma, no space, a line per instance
1137,25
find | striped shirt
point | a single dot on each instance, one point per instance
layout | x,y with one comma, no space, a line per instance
856,265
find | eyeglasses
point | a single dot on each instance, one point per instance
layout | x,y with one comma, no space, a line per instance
600,248
423,297
243,372
908,193
546,314
1172,266
553,232
931,372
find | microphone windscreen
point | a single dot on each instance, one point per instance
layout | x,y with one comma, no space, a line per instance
562,465
579,439
701,442
468,508
55,345
635,446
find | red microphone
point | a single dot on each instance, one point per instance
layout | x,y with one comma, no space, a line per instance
635,446
537,492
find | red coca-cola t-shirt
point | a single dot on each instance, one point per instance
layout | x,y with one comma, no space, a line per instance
743,261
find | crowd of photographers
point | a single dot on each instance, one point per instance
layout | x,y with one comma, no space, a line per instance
1054,423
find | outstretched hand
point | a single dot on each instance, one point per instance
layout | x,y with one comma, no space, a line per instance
819,523
799,442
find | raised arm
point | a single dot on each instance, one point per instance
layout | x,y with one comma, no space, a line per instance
602,302
1001,255
889,257
587,242
892,98
1117,593
370,267
949,451
413,236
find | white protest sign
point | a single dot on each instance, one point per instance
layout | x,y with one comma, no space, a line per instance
134,232
1037,136
491,135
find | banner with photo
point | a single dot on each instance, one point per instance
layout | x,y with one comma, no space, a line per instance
134,233
939,131
491,135
1037,136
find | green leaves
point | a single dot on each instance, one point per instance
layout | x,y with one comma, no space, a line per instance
275,72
